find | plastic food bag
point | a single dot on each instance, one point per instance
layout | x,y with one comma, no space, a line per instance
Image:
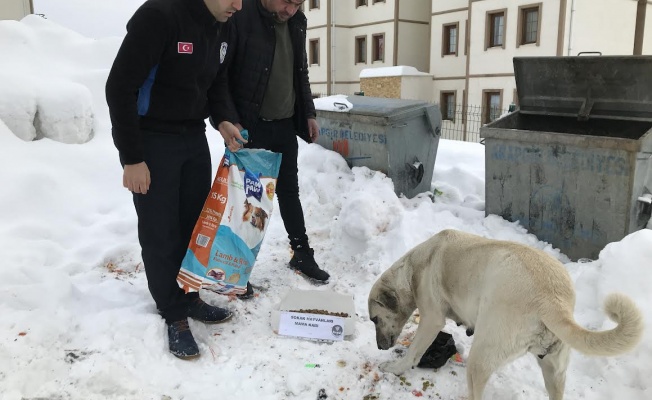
228,234
438,353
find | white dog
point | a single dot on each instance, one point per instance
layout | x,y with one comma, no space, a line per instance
517,299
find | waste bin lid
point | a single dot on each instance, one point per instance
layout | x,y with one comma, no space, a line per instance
615,87
386,108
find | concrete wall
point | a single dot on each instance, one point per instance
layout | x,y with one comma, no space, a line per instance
607,26
417,88
413,45
346,13
318,73
447,65
414,10
15,9
498,60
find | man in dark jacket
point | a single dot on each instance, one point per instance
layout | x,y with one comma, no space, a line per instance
161,88
270,97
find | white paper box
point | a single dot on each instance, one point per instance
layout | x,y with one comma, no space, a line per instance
326,300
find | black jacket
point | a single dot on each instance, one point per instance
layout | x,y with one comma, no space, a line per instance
163,77
251,48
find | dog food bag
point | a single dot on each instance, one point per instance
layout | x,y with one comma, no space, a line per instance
232,224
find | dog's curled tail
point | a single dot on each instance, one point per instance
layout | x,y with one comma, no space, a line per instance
624,337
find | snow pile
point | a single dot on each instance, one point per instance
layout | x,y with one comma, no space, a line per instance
42,93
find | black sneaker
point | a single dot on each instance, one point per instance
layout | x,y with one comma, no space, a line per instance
204,312
180,339
249,294
303,261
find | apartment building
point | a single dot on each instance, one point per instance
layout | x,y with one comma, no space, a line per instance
15,9
473,44
466,45
346,36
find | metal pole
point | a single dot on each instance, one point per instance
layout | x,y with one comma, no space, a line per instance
640,27
330,43
465,97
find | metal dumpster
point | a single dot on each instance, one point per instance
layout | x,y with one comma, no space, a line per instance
574,164
395,136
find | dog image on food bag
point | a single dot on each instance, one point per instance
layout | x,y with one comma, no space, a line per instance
251,228
515,298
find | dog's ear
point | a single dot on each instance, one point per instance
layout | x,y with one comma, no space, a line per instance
388,299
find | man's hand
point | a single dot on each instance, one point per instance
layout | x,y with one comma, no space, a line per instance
231,135
313,129
136,178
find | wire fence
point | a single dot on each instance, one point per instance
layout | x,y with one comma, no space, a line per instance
464,122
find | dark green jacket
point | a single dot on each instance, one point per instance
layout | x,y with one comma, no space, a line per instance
252,41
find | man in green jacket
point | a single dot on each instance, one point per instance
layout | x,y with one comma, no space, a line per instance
270,97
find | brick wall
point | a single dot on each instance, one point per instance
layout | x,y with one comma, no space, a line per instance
383,86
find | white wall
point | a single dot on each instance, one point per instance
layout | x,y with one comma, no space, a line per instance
348,14
318,73
316,16
497,60
347,22
477,85
417,88
14,9
414,10
453,85
607,26
413,45
647,38
440,6
448,65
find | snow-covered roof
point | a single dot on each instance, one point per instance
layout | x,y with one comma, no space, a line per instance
401,70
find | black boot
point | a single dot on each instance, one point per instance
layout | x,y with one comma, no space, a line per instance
180,339
303,261
201,311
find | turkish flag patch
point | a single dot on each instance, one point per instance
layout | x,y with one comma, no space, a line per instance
184,47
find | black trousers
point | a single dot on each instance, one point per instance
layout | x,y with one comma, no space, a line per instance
180,168
279,136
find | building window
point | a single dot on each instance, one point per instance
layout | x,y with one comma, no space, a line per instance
313,51
447,104
377,1
450,38
361,49
360,3
529,24
314,4
495,30
378,42
492,105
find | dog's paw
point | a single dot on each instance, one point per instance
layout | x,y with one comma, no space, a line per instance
394,367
